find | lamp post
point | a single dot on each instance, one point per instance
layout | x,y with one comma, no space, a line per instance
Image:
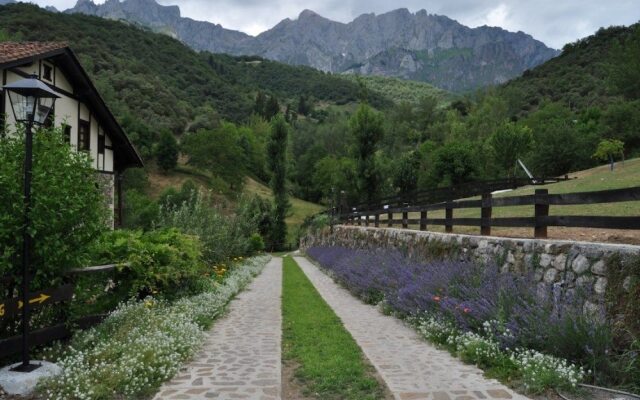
31,102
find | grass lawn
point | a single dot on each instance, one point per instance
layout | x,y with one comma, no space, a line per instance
332,365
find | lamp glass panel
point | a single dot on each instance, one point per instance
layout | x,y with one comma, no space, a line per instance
45,104
23,106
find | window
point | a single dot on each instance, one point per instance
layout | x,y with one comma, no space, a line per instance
48,123
47,72
100,144
84,137
67,134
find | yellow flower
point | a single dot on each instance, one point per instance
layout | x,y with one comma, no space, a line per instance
148,303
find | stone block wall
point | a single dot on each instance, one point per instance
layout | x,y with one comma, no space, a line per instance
567,264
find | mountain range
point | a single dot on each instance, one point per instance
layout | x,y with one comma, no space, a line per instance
417,46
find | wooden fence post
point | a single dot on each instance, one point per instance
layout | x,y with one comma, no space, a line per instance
377,220
405,217
542,211
366,219
485,215
359,219
390,219
448,224
423,220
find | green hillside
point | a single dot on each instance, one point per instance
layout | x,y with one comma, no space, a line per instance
591,72
401,90
165,84
553,118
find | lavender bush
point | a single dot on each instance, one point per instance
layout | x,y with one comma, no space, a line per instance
507,308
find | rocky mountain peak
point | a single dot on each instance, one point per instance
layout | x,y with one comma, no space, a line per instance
306,13
420,46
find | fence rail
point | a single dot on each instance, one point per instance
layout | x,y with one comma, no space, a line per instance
62,329
459,191
541,201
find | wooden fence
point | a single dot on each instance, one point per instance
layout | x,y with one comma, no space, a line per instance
541,201
459,191
11,309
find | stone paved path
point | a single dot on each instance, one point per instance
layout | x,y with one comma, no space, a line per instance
240,358
412,368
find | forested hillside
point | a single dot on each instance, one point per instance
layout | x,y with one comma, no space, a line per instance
401,90
216,106
162,82
573,112
589,72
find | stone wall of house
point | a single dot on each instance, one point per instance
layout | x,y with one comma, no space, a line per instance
567,264
107,184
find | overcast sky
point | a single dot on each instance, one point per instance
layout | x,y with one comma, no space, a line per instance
555,22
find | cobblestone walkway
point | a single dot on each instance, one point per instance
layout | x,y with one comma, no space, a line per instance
412,368
241,355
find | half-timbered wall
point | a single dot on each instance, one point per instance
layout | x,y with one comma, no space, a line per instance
69,111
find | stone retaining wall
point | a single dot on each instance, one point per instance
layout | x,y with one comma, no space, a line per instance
567,264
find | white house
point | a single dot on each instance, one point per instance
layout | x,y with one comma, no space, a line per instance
88,124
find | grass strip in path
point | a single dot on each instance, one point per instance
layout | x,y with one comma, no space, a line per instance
331,365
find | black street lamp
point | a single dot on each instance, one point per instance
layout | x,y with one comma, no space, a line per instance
31,102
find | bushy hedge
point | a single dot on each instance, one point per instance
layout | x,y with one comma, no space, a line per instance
158,260
222,236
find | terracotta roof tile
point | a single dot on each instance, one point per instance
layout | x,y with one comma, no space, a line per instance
12,51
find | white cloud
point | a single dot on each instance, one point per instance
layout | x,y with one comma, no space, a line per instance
499,16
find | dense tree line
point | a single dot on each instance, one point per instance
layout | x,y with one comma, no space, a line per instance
154,83
554,117
568,114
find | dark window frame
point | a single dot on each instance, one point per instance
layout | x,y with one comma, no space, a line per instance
84,135
47,72
67,133
51,118
101,143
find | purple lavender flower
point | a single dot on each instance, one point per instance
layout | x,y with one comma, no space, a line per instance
464,293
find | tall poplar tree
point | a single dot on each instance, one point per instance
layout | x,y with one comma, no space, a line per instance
367,128
277,151
167,151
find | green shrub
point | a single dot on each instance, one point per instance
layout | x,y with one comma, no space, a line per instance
258,213
223,237
68,208
256,244
139,210
319,221
164,260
